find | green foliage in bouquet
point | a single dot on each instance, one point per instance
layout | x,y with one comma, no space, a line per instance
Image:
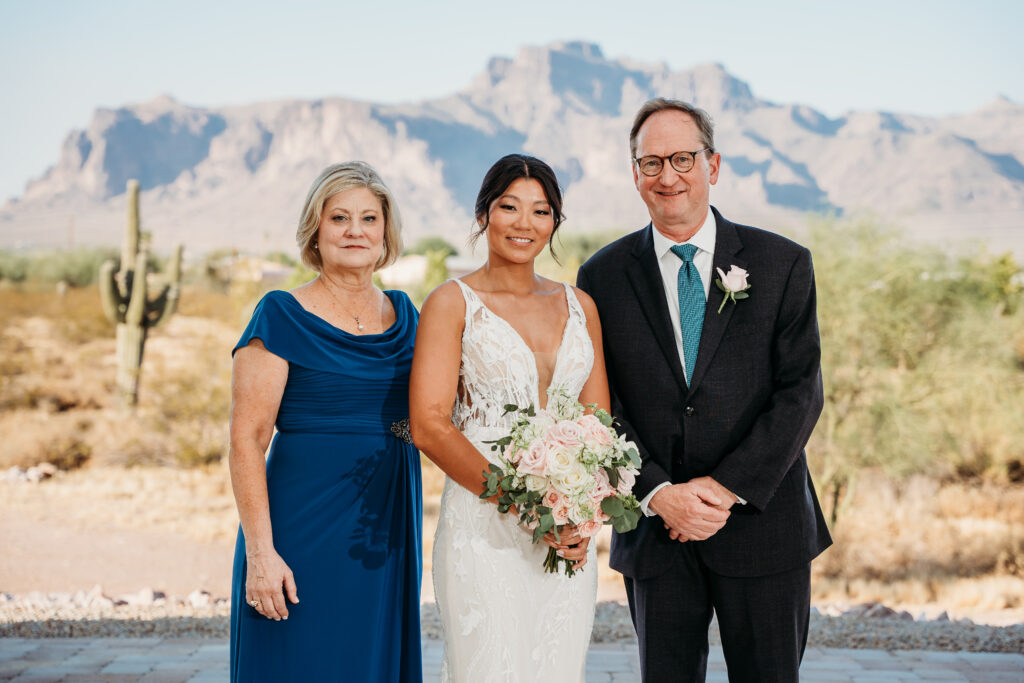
527,492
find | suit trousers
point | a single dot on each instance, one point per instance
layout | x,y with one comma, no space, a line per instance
762,620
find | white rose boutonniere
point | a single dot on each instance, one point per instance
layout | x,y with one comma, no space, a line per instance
733,283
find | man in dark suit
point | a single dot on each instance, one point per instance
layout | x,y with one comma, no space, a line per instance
720,387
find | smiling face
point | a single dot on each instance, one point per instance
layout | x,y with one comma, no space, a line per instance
677,202
519,222
351,231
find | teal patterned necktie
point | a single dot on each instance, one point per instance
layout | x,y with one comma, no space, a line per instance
691,305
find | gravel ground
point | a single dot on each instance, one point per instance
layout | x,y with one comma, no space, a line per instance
40,617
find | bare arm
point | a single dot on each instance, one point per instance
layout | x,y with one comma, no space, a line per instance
257,385
432,387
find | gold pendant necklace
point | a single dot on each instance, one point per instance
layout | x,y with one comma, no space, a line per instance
359,324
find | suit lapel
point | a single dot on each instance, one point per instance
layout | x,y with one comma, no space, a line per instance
727,245
645,276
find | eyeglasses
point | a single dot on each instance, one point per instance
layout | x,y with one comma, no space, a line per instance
681,161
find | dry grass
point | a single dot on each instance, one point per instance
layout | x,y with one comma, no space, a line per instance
916,541
925,541
57,384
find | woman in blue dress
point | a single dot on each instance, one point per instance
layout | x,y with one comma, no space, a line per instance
334,513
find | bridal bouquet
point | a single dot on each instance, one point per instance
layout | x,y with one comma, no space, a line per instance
559,466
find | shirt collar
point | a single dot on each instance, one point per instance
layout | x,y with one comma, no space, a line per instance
703,239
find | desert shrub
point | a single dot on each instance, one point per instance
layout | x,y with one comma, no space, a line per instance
77,268
300,276
14,267
918,539
436,274
571,250
425,245
34,437
920,370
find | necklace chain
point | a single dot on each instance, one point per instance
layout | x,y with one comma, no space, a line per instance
355,317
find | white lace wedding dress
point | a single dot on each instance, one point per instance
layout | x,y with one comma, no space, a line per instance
505,619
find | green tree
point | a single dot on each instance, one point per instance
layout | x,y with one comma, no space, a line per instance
425,245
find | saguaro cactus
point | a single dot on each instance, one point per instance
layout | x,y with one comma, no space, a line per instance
123,293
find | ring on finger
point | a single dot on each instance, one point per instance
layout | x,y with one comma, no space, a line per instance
254,602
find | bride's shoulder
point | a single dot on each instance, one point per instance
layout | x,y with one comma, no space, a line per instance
445,301
586,303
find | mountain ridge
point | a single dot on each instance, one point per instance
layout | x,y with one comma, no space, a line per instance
236,175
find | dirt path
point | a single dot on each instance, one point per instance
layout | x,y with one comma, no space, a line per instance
40,555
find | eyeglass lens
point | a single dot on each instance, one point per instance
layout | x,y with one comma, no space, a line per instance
652,165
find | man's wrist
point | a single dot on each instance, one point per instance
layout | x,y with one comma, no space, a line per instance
645,503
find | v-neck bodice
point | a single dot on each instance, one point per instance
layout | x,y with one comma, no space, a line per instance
499,368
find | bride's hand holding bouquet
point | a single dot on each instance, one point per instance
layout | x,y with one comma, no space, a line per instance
564,472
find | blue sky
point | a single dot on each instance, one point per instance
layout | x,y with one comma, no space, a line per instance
61,59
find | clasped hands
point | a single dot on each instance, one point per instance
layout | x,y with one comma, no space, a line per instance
695,510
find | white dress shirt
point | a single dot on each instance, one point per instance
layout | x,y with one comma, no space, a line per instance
669,263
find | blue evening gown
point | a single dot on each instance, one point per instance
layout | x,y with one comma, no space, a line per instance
345,506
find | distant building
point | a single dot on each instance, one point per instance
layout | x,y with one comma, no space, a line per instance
410,270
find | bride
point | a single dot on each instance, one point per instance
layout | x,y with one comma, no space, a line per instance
502,335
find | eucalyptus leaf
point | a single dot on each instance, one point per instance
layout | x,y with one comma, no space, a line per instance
613,475
634,457
612,507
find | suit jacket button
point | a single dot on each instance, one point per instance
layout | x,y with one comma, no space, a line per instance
688,411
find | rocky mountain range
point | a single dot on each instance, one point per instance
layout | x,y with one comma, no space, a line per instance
236,176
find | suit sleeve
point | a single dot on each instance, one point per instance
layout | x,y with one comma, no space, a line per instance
651,474
756,467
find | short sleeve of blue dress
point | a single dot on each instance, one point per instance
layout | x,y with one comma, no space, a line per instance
345,504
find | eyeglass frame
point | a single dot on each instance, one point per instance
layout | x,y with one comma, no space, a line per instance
693,161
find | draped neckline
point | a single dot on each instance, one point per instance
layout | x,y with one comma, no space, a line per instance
334,328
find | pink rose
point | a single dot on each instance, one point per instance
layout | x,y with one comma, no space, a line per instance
565,433
593,431
604,485
735,280
626,481
561,513
589,529
534,460
553,498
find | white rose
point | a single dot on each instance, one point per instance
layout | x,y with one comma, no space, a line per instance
561,461
735,280
535,483
576,480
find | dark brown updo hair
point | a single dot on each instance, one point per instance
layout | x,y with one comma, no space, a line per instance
506,171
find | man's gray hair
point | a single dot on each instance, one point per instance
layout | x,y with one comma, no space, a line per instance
703,120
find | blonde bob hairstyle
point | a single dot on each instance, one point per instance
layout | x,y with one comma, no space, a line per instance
338,178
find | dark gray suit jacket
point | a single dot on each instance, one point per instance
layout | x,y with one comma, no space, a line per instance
744,420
